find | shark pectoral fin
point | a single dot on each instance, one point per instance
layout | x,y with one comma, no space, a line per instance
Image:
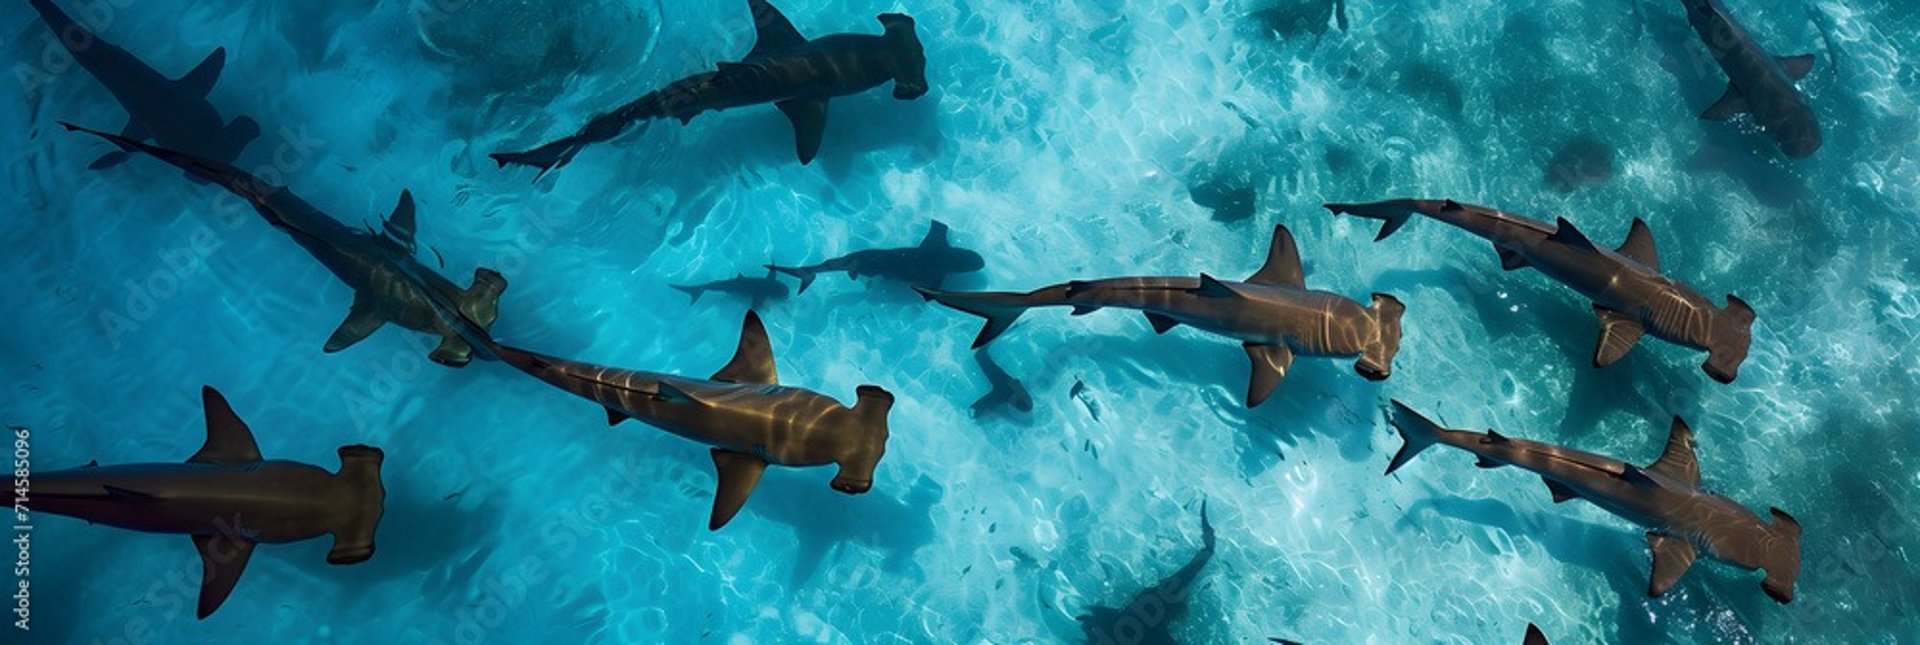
1618,334
1671,558
399,224
753,359
1270,365
1082,310
110,160
200,81
1678,461
362,320
1510,259
1731,104
614,417
1639,245
772,31
1161,323
453,351
1485,462
1566,233
1211,287
1560,491
1283,262
222,558
809,117
739,473
229,441
1796,67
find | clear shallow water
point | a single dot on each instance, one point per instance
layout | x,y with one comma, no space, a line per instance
1059,142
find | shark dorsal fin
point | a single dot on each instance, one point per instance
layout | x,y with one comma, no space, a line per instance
772,31
1534,636
1570,236
753,359
1639,245
399,224
228,439
1283,262
200,80
1678,461
936,236
1211,287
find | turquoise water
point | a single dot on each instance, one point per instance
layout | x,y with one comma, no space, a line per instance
1061,140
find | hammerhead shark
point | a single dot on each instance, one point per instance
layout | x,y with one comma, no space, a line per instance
1665,496
228,498
1757,82
387,280
1272,314
926,265
756,290
1148,616
1630,295
784,68
174,112
743,412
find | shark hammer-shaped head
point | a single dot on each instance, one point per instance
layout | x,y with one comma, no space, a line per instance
1732,332
864,442
909,58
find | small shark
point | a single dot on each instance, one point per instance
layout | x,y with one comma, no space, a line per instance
228,499
1004,390
756,290
1148,616
784,68
1630,295
1272,313
389,283
174,112
1757,82
1664,496
743,412
926,265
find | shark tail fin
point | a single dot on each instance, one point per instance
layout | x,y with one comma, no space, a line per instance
999,308
1783,559
693,293
1376,361
1392,214
1206,528
804,274
353,538
1417,431
1732,335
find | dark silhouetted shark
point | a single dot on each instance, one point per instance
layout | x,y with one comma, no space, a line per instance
784,68
1004,391
1665,497
743,412
174,112
228,499
756,290
1757,83
926,265
1272,314
1148,616
1630,295
386,278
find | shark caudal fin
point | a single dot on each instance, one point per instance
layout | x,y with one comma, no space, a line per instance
1732,334
1376,361
1392,214
1783,557
804,274
360,471
1000,308
1417,431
